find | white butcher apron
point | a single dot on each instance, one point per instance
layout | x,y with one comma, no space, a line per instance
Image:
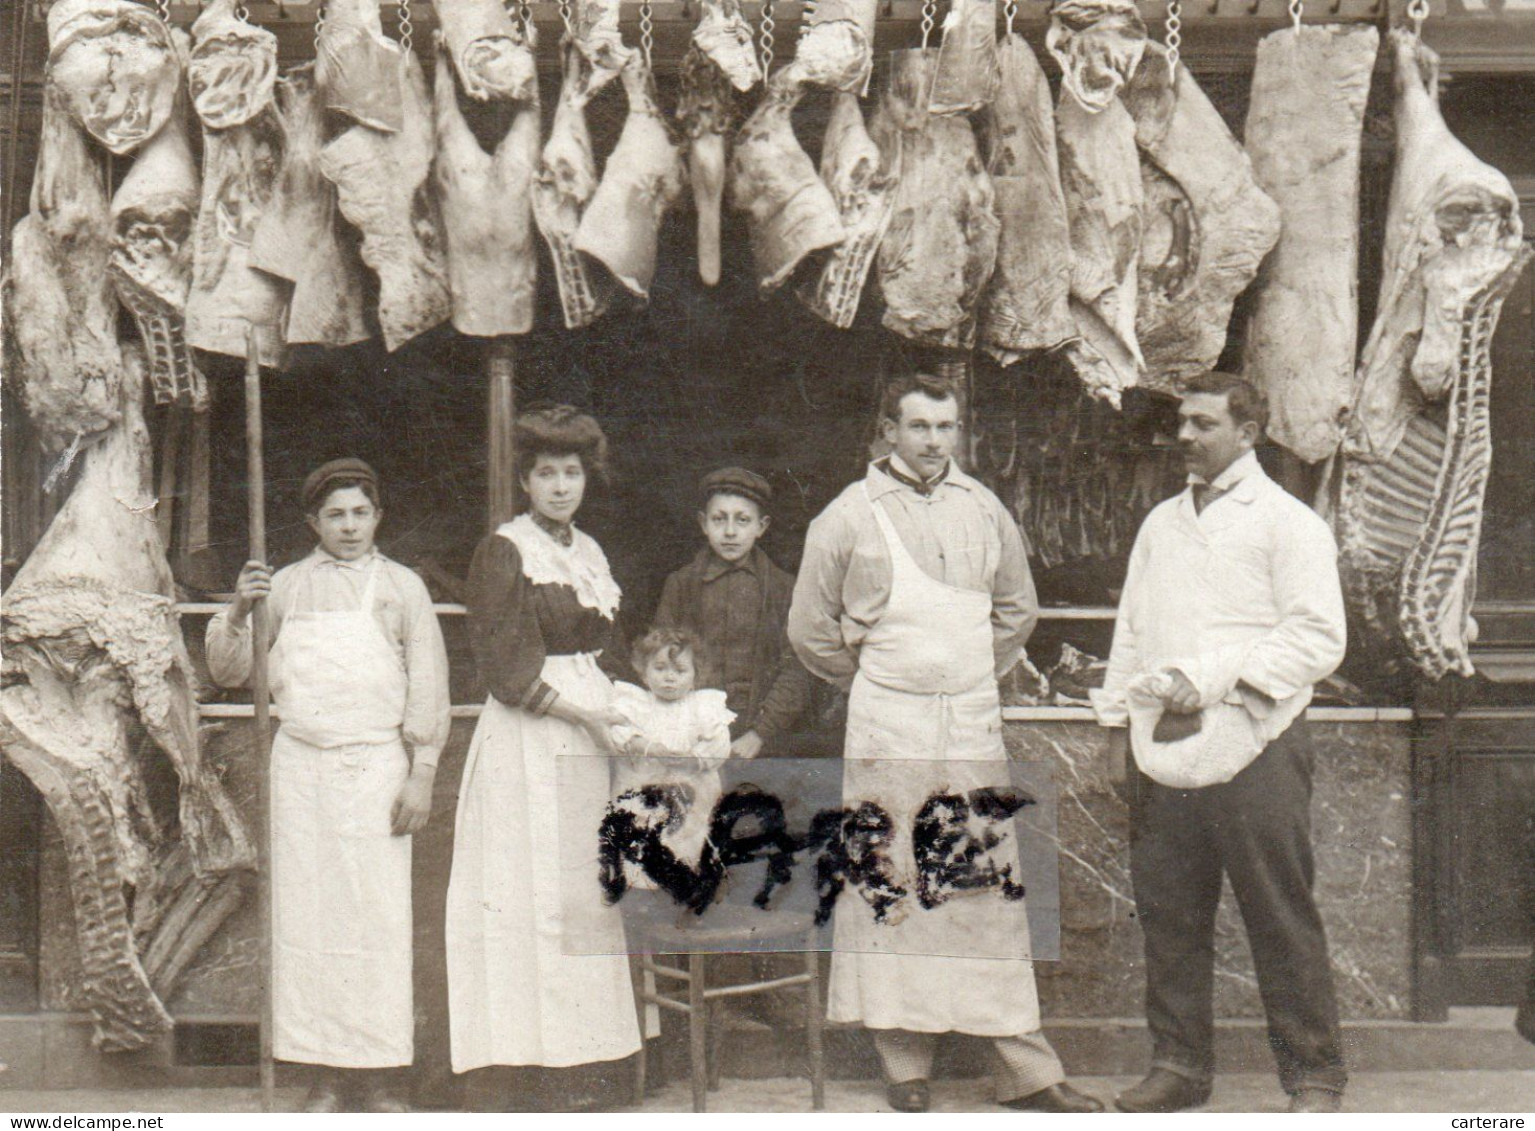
341,906
926,690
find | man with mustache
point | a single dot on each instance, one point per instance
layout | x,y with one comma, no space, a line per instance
914,596
1230,612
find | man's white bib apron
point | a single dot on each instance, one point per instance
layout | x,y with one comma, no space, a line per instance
341,907
926,690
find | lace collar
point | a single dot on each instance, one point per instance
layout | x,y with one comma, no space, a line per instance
581,566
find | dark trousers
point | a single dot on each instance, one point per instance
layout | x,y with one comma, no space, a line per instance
1255,829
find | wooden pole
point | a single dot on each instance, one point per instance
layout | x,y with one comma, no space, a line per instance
501,415
255,488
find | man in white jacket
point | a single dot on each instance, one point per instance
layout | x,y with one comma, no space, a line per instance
1232,604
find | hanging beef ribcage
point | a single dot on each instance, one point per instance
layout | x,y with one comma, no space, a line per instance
487,215
641,180
941,246
1418,447
381,181
1206,225
1303,134
301,236
92,645
60,305
1025,307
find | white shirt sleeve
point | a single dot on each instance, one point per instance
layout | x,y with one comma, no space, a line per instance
1307,644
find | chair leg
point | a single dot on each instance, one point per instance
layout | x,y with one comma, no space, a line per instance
641,1068
814,1020
717,1032
698,1029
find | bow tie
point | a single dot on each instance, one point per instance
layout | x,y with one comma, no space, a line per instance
923,487
1204,495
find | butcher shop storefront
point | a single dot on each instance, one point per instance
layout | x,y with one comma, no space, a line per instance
242,241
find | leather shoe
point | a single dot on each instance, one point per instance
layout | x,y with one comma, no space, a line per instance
1317,1101
1163,1090
909,1096
323,1098
381,1101
1059,1099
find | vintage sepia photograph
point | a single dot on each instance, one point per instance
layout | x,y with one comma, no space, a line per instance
744,556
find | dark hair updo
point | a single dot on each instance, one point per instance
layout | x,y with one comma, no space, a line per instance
560,430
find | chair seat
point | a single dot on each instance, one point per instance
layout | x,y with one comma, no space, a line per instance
745,927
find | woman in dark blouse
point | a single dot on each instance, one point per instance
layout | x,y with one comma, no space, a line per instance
536,968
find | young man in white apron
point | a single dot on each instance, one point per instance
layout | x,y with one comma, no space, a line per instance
360,677
914,595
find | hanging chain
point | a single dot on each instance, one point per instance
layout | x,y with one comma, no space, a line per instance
319,23
1417,12
647,31
929,13
567,18
1296,11
163,10
1174,38
242,13
1010,10
766,37
806,11
406,27
526,15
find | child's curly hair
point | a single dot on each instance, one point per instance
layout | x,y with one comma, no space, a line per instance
672,641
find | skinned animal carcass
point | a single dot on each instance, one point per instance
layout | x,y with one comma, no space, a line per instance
59,301
1414,462
706,110
641,180
381,184
91,644
240,168
301,236
941,244
724,37
1304,130
116,67
1206,225
487,215
1098,44
968,67
492,53
357,67
1026,307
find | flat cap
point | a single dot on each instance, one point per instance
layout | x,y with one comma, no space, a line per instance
317,483
736,481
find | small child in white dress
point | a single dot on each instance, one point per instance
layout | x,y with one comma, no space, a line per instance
674,737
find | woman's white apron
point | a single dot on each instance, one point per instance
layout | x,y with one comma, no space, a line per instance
341,906
926,690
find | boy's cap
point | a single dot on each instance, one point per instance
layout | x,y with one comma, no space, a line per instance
317,482
736,481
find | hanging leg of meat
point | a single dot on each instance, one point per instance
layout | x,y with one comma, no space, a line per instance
1304,128
1206,225
381,181
487,215
725,38
864,189
790,212
117,68
358,69
91,640
1416,455
151,265
301,236
705,109
836,48
1098,44
59,299
1101,178
232,69
641,180
967,59
1025,308
941,246
491,52
596,35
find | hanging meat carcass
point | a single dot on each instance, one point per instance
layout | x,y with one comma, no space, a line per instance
116,67
1026,307
1098,44
357,68
240,167
1415,458
724,37
91,643
487,215
706,112
1206,225
968,67
1303,134
941,246
641,180
492,53
381,184
302,237
60,304
152,217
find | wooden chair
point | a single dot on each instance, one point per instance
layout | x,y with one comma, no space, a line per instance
659,944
